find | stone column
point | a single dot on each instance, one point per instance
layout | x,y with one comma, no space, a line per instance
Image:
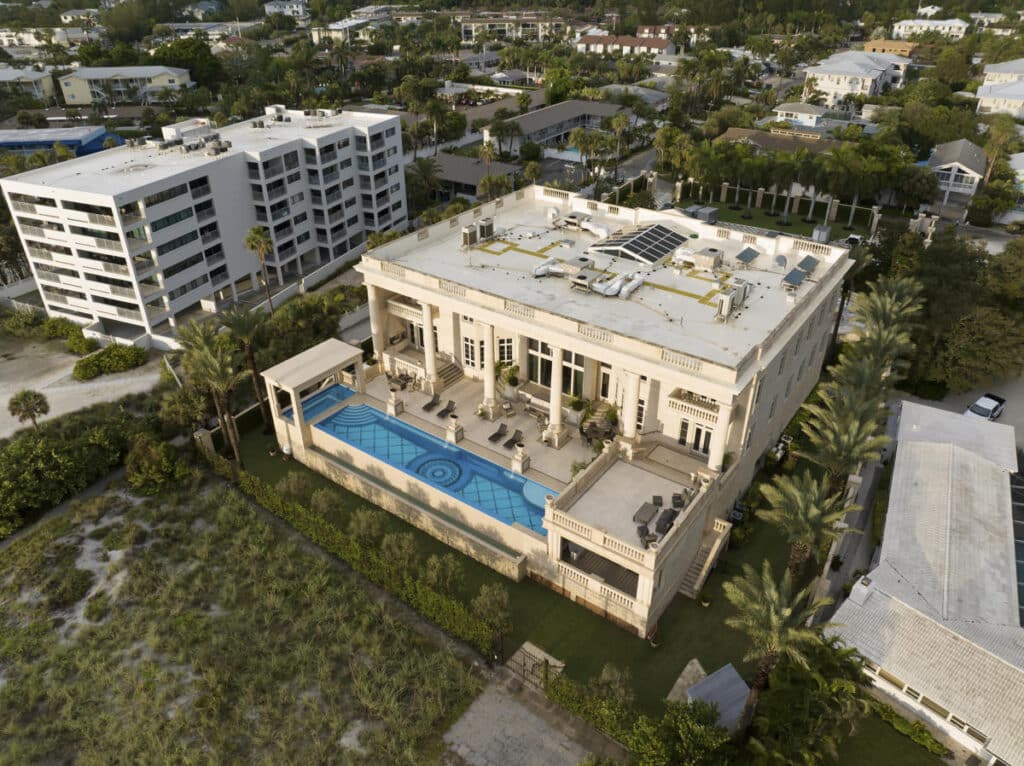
719,437
490,403
725,192
429,349
553,433
377,321
759,197
630,404
299,418
833,209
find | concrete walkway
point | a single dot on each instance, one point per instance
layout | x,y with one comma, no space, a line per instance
512,724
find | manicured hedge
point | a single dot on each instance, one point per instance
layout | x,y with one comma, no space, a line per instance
113,358
444,610
916,730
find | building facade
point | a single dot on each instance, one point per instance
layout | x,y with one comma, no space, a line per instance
854,74
134,240
552,124
527,27
1002,92
703,339
626,45
118,85
29,81
954,29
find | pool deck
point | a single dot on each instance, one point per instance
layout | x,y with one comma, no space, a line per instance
549,466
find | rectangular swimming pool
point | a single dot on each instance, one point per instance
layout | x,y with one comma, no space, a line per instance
320,401
500,493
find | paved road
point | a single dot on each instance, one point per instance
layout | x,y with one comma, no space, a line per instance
994,239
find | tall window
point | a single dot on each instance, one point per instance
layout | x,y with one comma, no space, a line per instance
539,363
606,380
469,352
505,350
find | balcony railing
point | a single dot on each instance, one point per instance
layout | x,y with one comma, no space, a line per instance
209,237
200,191
205,214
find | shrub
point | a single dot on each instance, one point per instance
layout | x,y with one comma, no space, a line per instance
124,536
152,466
22,323
530,151
114,358
80,345
399,550
97,607
443,573
366,526
59,327
296,487
916,730
69,589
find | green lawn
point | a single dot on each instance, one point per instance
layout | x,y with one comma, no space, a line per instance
760,217
878,744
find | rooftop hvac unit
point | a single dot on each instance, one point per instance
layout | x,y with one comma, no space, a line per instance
708,214
469,236
485,228
726,301
822,233
693,211
742,288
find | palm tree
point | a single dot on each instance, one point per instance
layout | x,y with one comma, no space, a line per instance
619,124
774,620
435,112
257,240
28,405
213,370
247,326
532,171
486,155
891,301
523,101
840,440
424,175
801,507
860,258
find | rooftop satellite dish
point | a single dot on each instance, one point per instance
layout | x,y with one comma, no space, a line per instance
780,261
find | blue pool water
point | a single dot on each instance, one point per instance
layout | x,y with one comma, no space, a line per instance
320,401
499,493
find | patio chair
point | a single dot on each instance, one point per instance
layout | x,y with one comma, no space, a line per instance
516,437
508,409
502,430
448,409
656,500
677,501
434,401
642,531
665,521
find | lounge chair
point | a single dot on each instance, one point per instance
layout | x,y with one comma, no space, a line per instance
434,401
665,521
502,430
448,409
656,500
677,501
516,437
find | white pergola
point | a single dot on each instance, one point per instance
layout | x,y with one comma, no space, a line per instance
325,361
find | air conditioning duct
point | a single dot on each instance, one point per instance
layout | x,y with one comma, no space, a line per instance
632,286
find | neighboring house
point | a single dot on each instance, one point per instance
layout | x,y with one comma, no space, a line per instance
625,45
854,73
344,31
654,98
588,300
1005,98
938,619
799,114
85,16
929,11
661,31
460,176
511,77
776,140
903,48
1005,72
203,8
296,9
131,241
513,27
484,62
959,167
83,140
31,82
954,29
119,85
983,20
34,37
552,124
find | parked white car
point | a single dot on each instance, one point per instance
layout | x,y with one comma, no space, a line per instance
988,407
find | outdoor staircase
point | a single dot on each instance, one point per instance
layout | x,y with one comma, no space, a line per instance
691,584
449,374
599,419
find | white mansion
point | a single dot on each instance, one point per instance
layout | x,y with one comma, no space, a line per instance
700,340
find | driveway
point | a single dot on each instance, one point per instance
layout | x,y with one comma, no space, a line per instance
46,368
1012,391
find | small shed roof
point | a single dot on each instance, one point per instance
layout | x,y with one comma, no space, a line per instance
726,689
313,364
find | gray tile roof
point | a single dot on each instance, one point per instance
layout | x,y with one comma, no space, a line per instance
531,122
468,170
962,151
727,690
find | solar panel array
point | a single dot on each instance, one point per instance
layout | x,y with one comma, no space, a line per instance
794,278
646,244
808,264
747,255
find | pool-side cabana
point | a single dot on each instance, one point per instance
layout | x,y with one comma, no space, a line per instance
332,361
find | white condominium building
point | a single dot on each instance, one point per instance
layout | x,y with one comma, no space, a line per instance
954,29
855,73
117,85
688,344
133,240
1002,92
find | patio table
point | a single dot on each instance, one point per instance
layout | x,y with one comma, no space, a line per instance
646,512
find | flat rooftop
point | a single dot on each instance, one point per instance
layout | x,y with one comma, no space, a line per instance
54,135
123,169
675,307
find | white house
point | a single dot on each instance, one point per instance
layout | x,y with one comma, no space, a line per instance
929,11
1004,98
986,19
855,73
954,29
584,301
938,620
797,113
552,124
297,9
625,45
1007,71
203,8
959,167
132,240
85,16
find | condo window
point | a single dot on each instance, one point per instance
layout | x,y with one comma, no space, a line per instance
273,167
505,350
177,268
291,160
173,218
174,244
174,191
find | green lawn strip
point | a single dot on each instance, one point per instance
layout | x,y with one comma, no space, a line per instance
223,637
878,744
